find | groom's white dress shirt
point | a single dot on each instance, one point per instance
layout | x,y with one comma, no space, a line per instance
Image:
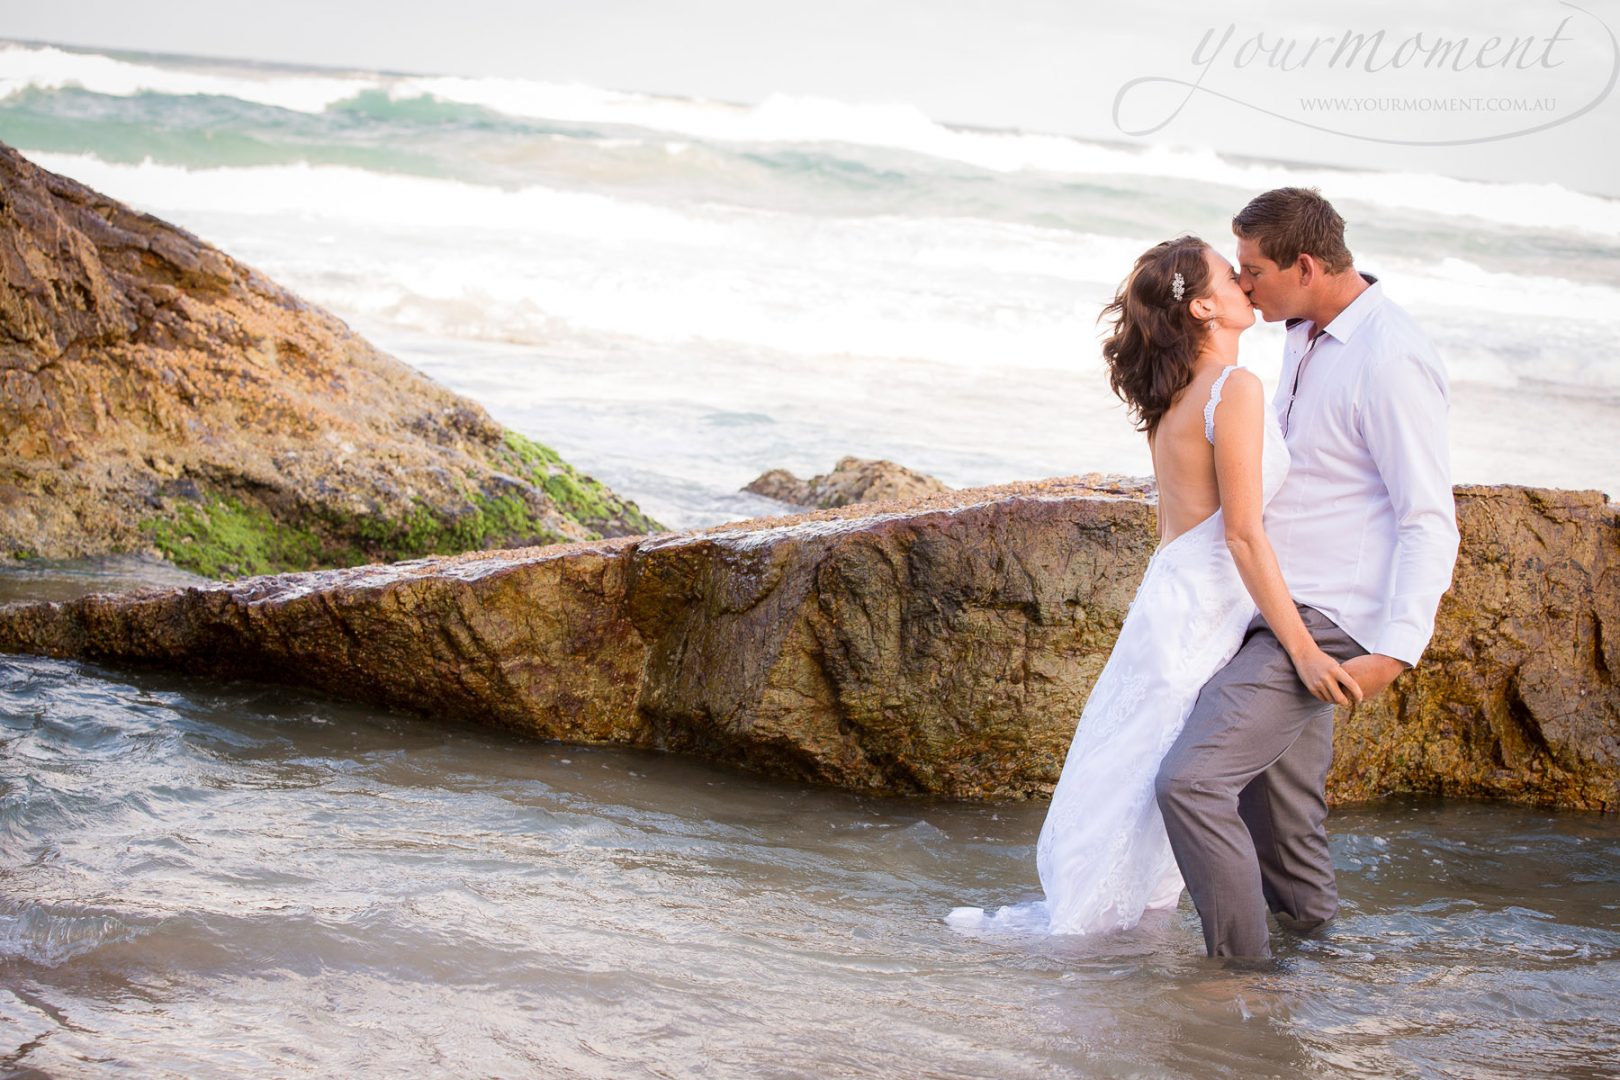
1365,526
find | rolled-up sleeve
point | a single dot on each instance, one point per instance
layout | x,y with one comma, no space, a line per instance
1404,424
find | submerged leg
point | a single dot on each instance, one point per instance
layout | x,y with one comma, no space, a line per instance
1285,813
1250,717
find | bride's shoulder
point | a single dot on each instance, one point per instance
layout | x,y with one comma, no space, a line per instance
1237,384
1238,397
1239,378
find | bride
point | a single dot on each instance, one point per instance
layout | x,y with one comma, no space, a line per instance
1218,457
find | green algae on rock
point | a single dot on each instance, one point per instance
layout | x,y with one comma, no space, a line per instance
158,396
583,498
219,536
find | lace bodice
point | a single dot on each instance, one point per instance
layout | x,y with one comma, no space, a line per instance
1274,450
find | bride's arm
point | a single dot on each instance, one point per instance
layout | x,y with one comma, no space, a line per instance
1239,446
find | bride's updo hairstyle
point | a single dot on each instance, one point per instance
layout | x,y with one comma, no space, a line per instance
1155,336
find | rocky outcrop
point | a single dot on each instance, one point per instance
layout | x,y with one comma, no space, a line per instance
1518,694
940,646
157,395
853,480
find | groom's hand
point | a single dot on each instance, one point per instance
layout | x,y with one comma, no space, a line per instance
1373,673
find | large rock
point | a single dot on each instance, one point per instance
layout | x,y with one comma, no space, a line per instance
945,647
1518,694
157,395
852,480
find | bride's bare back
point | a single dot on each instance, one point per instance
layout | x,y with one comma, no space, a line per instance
1184,460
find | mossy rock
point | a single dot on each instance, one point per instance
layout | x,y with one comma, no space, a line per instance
224,534
227,536
582,497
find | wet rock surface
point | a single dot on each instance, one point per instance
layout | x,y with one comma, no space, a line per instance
942,645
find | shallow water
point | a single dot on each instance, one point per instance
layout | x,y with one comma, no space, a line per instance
68,579
224,879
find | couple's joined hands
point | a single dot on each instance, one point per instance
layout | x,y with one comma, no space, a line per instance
1358,679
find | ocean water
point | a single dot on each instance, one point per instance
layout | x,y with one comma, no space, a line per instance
680,294
222,879
202,879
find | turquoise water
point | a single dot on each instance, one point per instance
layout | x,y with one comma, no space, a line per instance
608,270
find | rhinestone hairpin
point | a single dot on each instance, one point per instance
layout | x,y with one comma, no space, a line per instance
1178,286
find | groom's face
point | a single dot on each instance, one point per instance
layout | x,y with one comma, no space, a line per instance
1271,289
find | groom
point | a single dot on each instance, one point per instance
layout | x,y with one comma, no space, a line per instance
1365,531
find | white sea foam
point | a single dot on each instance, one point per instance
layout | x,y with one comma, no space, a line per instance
448,257
897,125
537,264
344,194
784,118
1461,285
49,68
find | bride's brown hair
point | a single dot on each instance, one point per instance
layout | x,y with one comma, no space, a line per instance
1156,337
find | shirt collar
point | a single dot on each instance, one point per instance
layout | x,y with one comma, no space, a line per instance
1346,322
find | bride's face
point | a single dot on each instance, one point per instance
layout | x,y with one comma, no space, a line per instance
1226,303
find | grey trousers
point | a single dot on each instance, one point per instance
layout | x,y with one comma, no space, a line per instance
1241,793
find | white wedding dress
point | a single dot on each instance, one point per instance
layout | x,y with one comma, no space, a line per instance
1103,855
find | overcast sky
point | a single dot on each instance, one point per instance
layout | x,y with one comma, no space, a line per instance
1030,64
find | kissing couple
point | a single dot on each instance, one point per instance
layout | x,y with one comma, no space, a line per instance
1303,551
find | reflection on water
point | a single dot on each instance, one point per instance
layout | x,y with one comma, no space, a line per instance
226,879
68,579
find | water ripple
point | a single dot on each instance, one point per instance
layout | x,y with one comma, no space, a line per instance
232,879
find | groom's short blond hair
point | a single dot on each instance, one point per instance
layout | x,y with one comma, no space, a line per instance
1291,221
